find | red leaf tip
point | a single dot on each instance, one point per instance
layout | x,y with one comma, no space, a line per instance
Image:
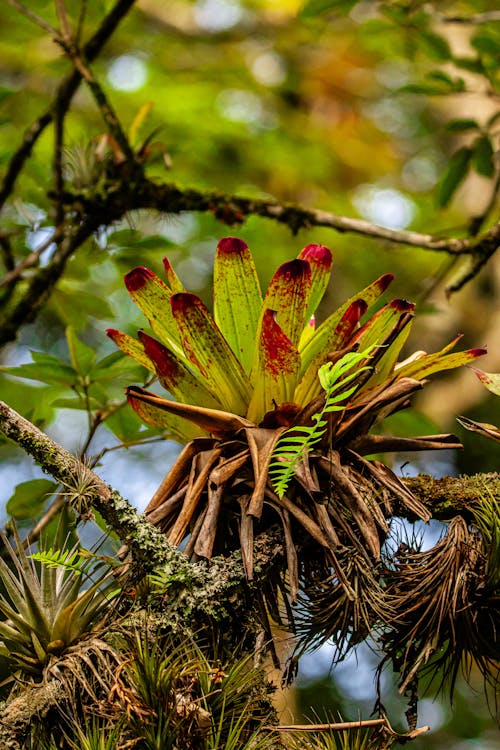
231,245
112,332
137,278
385,280
402,305
318,254
182,301
479,352
294,269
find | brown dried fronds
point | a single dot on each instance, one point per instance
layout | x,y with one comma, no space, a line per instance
446,617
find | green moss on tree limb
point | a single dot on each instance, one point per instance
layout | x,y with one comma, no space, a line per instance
450,496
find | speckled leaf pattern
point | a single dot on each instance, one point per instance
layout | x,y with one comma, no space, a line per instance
288,295
208,350
309,386
174,376
320,260
132,347
237,298
152,297
491,380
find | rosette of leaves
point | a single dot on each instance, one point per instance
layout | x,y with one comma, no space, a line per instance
239,378
47,604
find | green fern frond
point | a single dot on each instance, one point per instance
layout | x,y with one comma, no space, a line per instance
74,560
298,441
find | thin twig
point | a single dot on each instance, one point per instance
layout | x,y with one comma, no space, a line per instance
108,114
38,20
64,21
489,16
63,96
32,259
342,726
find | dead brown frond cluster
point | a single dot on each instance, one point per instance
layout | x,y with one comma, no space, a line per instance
447,615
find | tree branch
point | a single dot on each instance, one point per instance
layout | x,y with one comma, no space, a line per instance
200,587
63,96
148,546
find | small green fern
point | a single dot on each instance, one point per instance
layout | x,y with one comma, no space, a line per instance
299,440
74,560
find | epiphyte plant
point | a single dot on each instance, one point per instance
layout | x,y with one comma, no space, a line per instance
240,377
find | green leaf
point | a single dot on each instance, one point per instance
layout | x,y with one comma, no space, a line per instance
461,125
288,295
132,347
434,45
29,498
486,43
210,353
454,175
237,298
319,258
82,356
472,64
312,8
52,373
483,156
427,364
340,336
322,339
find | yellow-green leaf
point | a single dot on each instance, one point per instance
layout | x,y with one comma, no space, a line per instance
320,261
175,377
319,342
491,380
430,363
131,346
237,298
208,350
152,297
275,373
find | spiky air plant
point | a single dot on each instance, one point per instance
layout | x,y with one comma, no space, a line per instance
48,610
446,603
242,377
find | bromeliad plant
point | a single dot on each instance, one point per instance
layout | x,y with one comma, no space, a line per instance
48,609
242,378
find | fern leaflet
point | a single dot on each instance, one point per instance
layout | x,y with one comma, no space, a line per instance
296,442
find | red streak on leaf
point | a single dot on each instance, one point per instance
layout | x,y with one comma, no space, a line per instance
276,346
318,254
348,322
231,245
483,376
167,265
165,364
137,278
